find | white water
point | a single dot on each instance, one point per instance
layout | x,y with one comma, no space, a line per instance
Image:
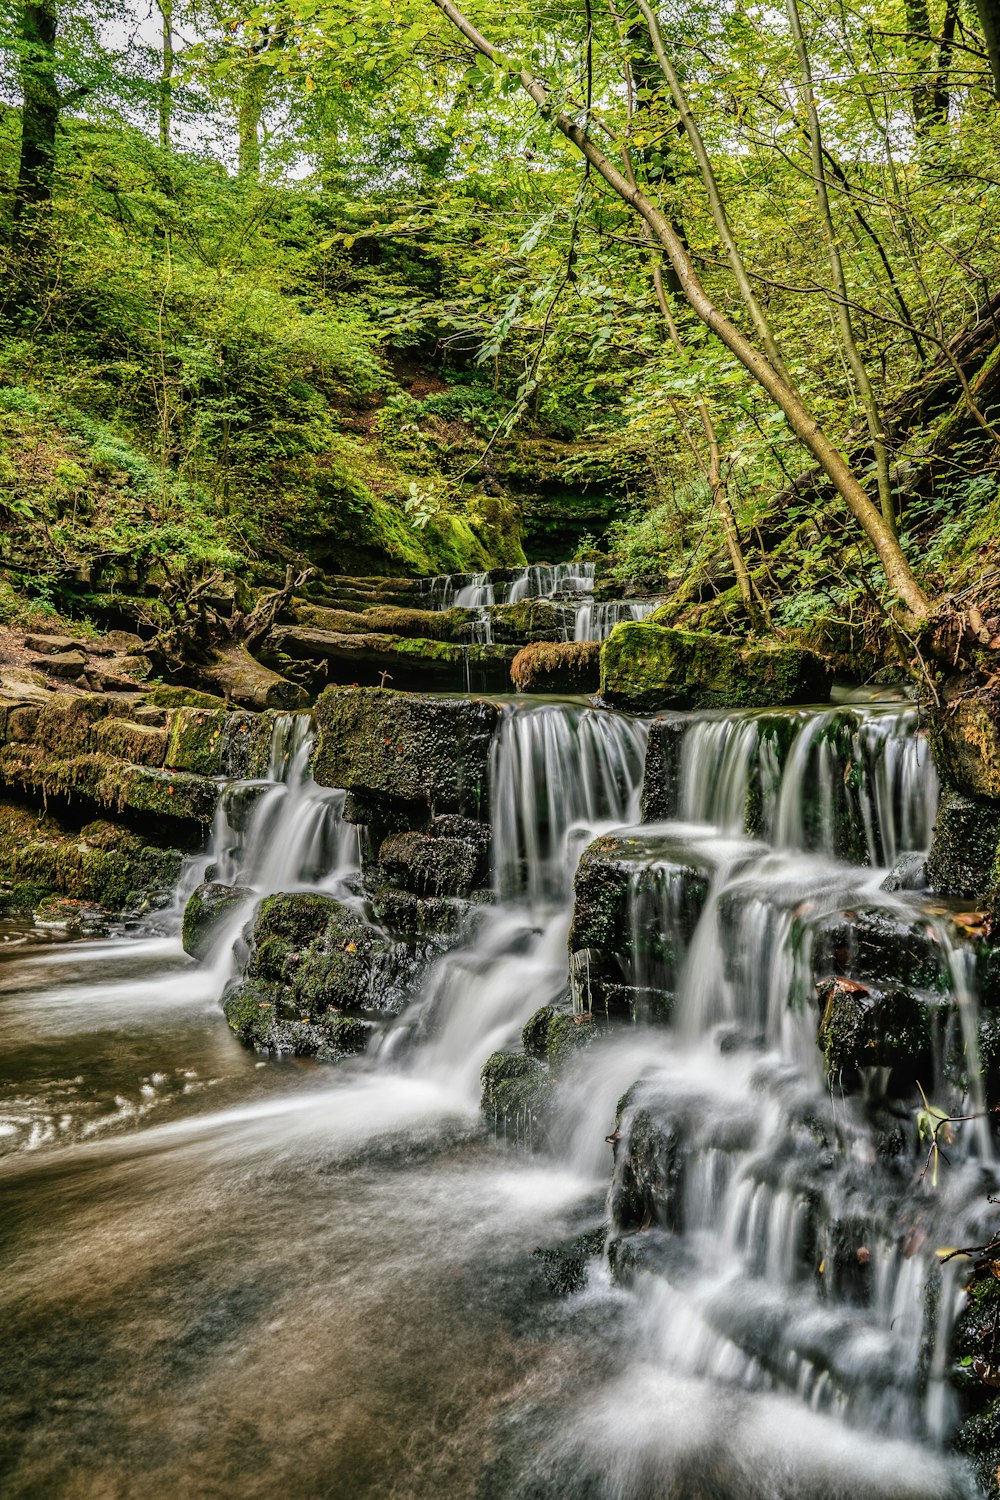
569,584
751,1357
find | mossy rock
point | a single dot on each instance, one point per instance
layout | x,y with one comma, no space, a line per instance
529,620
557,667
388,619
166,695
862,1027
179,795
661,781
965,736
207,910
65,725
202,740
142,745
432,866
964,857
515,1093
647,667
400,750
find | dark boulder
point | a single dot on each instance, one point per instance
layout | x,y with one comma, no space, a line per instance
208,908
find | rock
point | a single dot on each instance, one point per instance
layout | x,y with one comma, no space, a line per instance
65,725
403,751
64,664
636,904
647,1186
965,847
100,864
863,1027
965,737
55,645
433,865
880,947
203,740
152,717
515,1094
410,662
557,667
648,667
529,620
71,917
566,1266
909,873
166,695
415,919
141,744
137,665
388,619
117,643
662,771
208,908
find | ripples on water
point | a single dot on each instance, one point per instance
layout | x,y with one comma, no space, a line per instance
230,1276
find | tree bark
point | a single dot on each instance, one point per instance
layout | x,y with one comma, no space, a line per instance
802,422
39,107
251,109
233,672
166,9
988,12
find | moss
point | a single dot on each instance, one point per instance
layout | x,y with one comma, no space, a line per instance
965,848
565,1037
965,736
249,1009
863,1028
392,747
648,667
528,620
431,865
203,740
101,863
388,619
557,667
141,744
163,695
514,1092
343,1036
178,795
207,909
535,1032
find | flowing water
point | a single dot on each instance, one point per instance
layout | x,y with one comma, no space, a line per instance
227,1275
570,585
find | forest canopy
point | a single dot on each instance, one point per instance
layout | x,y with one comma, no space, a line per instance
409,288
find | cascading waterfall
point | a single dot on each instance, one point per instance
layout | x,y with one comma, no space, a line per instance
780,1322
570,584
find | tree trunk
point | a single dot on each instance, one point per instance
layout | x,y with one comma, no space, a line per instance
802,422
251,109
166,9
988,12
234,673
39,108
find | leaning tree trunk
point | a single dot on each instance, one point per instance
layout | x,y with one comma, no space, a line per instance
39,107
233,672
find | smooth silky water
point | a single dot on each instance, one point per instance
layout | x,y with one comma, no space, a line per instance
228,1275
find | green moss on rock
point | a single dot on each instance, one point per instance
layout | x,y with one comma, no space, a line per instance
402,750
208,908
143,745
557,667
647,667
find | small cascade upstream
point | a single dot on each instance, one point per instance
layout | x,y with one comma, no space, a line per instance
769,1318
569,585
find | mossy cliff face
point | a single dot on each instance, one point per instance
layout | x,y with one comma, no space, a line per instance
41,856
125,757
409,662
403,753
647,667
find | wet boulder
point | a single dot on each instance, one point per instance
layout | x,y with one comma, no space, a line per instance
661,781
881,946
863,1027
515,1095
557,667
529,620
206,741
964,858
432,863
637,901
647,1186
207,910
421,755
647,667
965,736
311,959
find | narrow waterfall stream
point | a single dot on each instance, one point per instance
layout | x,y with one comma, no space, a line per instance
234,1275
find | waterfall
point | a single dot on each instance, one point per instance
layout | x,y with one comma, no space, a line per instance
573,583
558,772
284,832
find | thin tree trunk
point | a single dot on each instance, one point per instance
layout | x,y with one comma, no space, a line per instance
251,109
857,364
800,419
39,108
941,96
988,12
165,100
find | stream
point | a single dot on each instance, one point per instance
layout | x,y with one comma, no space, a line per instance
230,1275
